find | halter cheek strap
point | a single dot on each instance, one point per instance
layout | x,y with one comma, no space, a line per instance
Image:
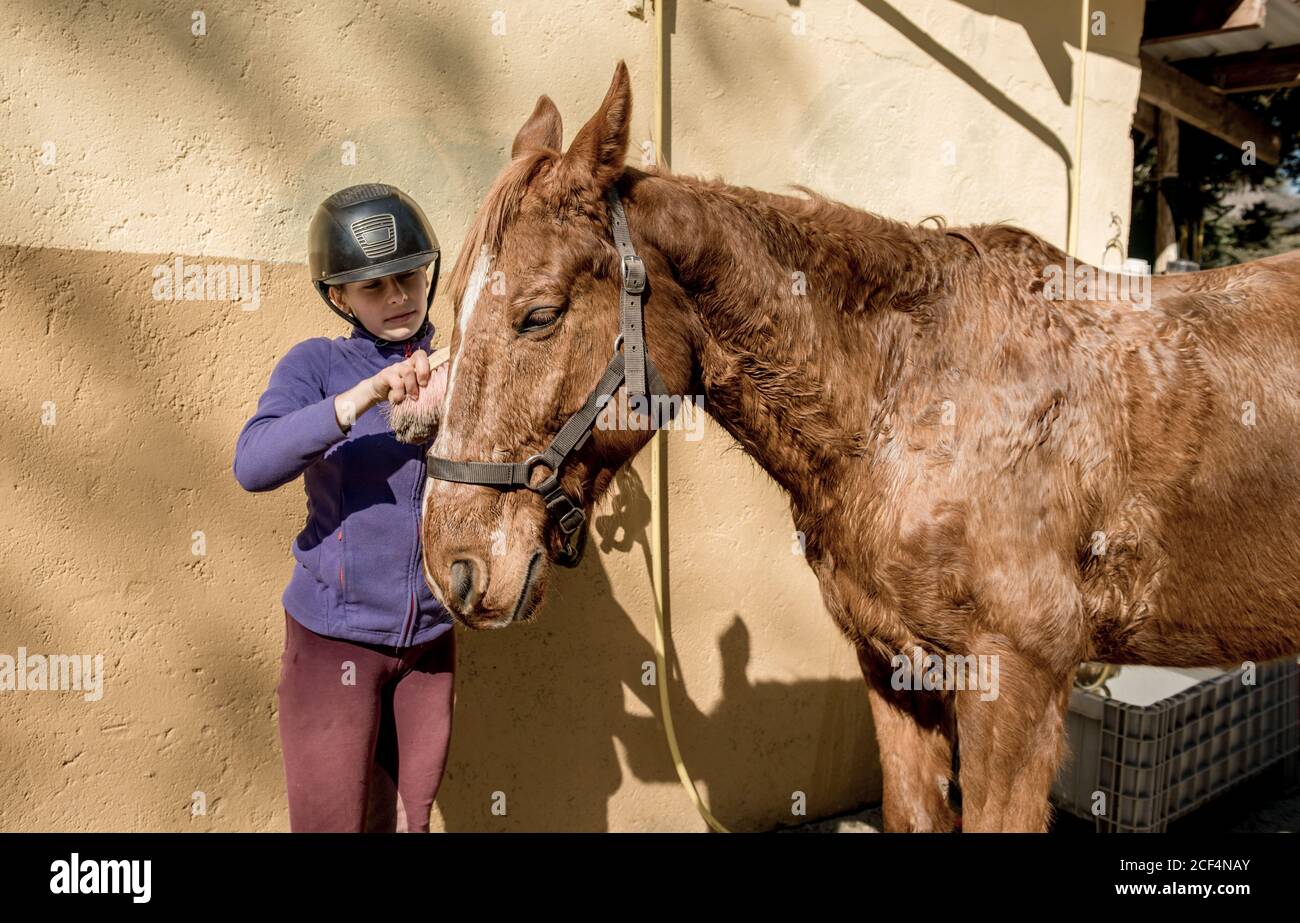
630,300
629,363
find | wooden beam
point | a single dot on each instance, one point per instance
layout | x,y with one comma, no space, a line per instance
1196,104
1172,20
1144,118
1265,69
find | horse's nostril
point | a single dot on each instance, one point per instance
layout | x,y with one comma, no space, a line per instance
462,583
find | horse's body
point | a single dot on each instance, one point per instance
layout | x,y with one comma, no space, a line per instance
1207,502
978,467
1131,474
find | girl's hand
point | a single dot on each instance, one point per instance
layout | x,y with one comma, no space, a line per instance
404,383
401,380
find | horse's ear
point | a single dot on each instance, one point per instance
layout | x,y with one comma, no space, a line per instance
600,147
541,130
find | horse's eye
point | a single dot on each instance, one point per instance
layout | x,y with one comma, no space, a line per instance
539,319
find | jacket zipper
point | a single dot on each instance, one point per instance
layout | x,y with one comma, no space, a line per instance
410,612
410,619
342,588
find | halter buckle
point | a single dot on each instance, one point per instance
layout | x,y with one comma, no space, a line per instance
633,274
572,518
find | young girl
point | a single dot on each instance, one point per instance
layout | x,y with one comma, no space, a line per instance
365,692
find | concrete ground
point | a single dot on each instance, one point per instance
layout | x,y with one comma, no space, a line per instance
1266,804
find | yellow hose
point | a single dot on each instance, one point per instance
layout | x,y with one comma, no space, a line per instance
659,473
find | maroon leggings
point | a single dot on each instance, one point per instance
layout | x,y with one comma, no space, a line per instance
350,749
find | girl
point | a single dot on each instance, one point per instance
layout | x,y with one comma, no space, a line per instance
365,692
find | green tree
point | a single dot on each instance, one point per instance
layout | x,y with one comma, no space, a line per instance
1210,170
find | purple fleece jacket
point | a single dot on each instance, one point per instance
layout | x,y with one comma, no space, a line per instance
358,574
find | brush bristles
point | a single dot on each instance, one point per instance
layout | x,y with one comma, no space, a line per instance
412,423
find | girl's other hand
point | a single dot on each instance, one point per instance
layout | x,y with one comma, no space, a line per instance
414,416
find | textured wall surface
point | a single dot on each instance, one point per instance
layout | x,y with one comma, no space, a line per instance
130,141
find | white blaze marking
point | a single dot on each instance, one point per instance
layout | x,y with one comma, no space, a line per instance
467,304
478,278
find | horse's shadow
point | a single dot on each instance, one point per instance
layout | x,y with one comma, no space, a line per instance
749,756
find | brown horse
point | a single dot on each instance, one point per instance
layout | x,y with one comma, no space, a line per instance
983,464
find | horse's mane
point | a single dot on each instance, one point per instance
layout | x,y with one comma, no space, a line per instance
983,238
497,211
788,217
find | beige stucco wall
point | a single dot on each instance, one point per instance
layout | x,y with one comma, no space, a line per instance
122,410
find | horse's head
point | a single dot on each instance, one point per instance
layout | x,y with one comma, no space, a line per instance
537,290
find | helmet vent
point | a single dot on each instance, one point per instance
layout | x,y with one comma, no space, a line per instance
377,235
354,194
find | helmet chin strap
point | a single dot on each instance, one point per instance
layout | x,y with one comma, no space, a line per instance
380,341
414,337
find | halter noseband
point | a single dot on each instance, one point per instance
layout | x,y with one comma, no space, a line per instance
629,362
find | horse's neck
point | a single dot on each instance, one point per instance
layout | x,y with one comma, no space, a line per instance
792,309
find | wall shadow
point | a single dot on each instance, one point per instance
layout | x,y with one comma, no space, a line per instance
748,753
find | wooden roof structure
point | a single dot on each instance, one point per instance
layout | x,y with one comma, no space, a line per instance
1195,56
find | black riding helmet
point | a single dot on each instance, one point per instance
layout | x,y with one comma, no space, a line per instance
365,232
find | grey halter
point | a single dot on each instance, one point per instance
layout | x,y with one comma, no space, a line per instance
629,363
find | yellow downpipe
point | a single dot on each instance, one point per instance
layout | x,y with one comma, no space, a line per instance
1076,165
659,471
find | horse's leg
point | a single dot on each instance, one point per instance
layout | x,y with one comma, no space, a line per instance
1011,744
914,730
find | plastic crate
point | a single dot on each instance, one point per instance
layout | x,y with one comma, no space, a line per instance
1156,762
